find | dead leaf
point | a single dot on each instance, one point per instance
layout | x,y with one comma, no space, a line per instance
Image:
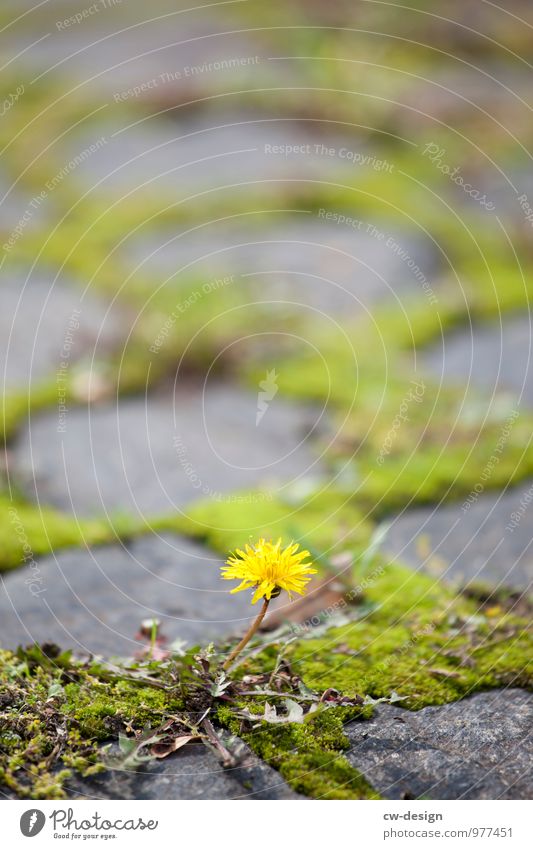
228,759
321,595
163,750
444,673
392,699
295,713
334,697
344,648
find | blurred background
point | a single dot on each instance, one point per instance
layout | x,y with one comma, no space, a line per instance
265,270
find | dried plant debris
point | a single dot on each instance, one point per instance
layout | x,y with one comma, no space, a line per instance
57,712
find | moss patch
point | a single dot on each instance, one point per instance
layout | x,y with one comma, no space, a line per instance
409,636
54,710
420,640
27,532
315,514
309,756
399,437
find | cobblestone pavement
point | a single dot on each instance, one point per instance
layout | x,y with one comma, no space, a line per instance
189,202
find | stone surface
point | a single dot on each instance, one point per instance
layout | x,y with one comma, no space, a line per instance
45,323
301,260
169,54
478,748
192,773
148,457
493,357
490,541
95,600
188,157
478,538
16,204
504,190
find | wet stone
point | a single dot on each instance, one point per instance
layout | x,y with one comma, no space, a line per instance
477,748
45,323
487,541
494,357
306,261
149,456
94,601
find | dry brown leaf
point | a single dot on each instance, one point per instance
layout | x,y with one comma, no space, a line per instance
163,750
321,595
444,673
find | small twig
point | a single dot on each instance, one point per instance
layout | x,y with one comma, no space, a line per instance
52,756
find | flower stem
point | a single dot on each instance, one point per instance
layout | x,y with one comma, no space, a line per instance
248,636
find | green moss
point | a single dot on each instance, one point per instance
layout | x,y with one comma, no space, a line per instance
412,636
18,404
317,515
309,756
89,707
100,707
27,531
492,279
446,440
420,640
54,710
368,362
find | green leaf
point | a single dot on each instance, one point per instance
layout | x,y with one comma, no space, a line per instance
55,689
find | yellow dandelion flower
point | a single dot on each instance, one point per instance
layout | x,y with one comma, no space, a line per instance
269,568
